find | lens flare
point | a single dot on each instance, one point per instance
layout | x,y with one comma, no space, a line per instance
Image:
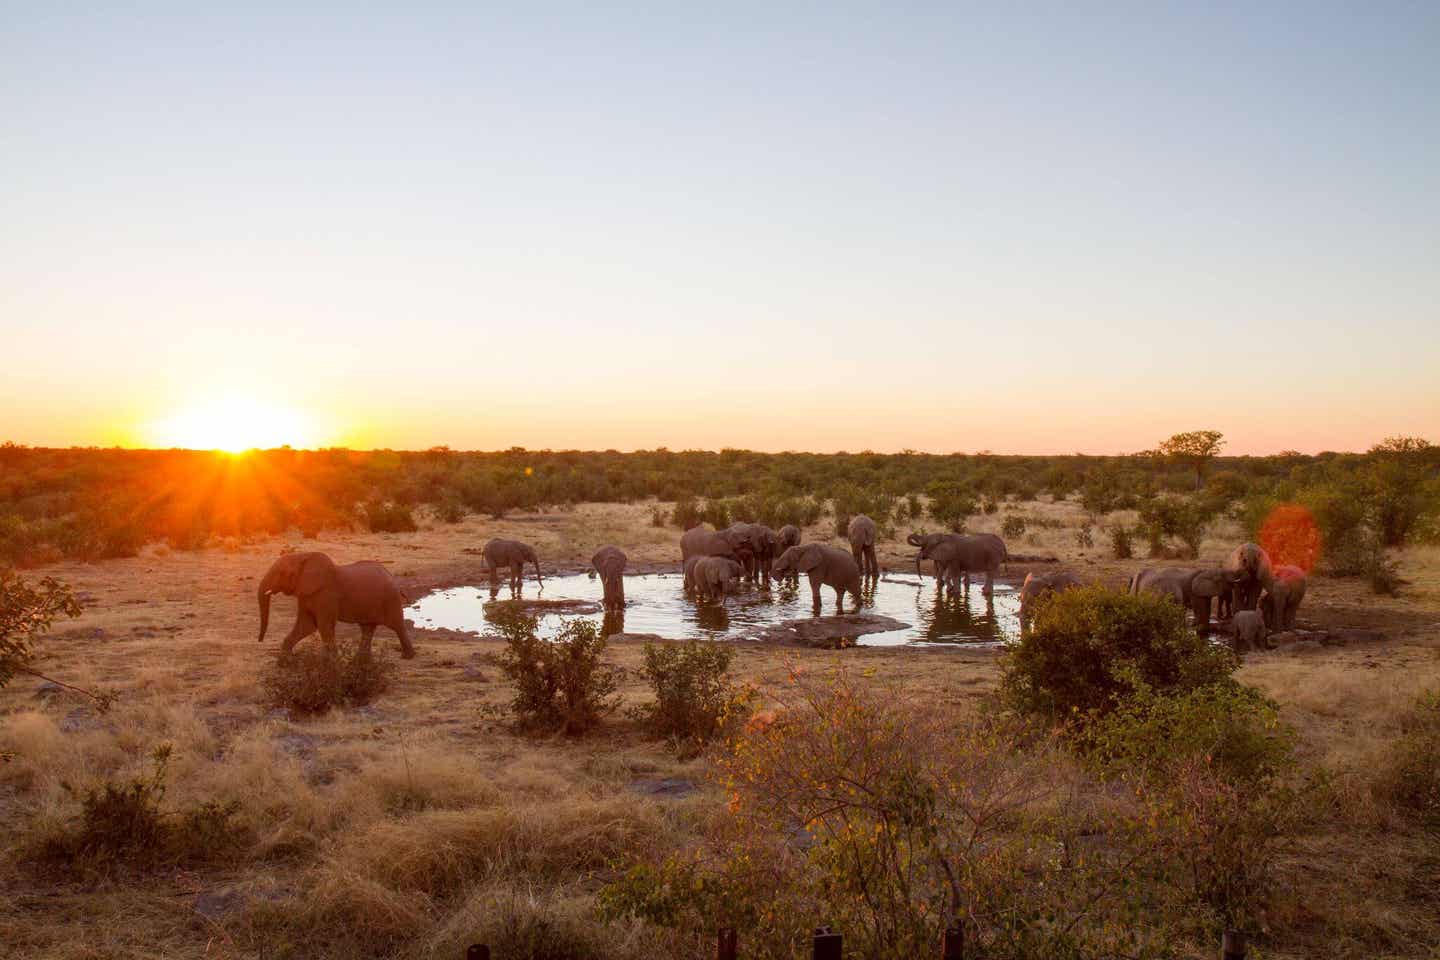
1291,536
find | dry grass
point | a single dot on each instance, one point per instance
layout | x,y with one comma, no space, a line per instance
415,827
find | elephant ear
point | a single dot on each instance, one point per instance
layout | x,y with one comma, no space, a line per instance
809,559
316,573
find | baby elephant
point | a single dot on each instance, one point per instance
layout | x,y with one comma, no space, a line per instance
1249,628
1280,604
1042,586
513,554
711,576
609,563
826,567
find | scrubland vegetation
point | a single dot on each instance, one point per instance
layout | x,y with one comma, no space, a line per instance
1110,786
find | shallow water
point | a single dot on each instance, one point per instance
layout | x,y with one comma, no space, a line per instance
655,603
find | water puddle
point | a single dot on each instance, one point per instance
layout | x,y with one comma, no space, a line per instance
656,604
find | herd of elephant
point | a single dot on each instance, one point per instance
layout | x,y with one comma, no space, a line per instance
1255,595
364,593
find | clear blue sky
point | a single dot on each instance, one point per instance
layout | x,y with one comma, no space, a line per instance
821,226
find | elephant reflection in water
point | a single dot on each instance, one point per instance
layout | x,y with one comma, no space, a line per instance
950,615
712,616
613,623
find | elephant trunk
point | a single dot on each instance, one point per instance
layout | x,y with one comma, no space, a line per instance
918,574
263,596
538,579
913,539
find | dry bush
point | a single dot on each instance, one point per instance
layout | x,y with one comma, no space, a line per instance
1407,774
311,680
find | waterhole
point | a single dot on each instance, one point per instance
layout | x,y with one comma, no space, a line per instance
656,604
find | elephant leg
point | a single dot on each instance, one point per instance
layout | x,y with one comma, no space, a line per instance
872,566
494,577
989,590
304,626
815,592
367,637
1200,606
402,630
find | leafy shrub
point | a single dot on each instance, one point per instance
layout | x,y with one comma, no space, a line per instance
951,504
694,695
659,516
1085,537
26,612
887,820
1209,768
388,517
716,512
849,500
687,513
1013,527
450,510
123,822
989,505
914,508
1090,647
1398,471
1121,546
1409,772
1169,516
560,684
312,681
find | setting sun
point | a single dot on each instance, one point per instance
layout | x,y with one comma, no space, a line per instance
233,424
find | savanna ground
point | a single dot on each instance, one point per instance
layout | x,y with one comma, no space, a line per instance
422,823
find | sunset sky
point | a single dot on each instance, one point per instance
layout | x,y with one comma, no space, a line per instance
824,226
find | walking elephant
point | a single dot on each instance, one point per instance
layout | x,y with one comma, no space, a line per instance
1282,602
1250,575
863,534
1034,588
500,552
825,567
609,563
362,593
956,556
711,577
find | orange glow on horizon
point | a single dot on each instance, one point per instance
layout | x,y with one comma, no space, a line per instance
233,423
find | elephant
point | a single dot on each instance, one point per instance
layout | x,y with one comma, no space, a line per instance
1206,585
956,556
609,563
1250,575
711,576
1248,627
362,593
761,542
825,566
786,537
513,554
1044,585
862,535
1283,600
1172,582
927,543
703,542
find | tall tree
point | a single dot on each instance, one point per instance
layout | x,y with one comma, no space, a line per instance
1197,448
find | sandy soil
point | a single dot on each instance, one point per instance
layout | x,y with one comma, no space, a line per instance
174,633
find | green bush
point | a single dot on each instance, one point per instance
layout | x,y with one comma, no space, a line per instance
951,504
450,510
1013,527
850,500
1121,546
560,684
1085,537
694,695
659,516
1088,648
311,681
687,513
1171,516
1210,767
388,517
